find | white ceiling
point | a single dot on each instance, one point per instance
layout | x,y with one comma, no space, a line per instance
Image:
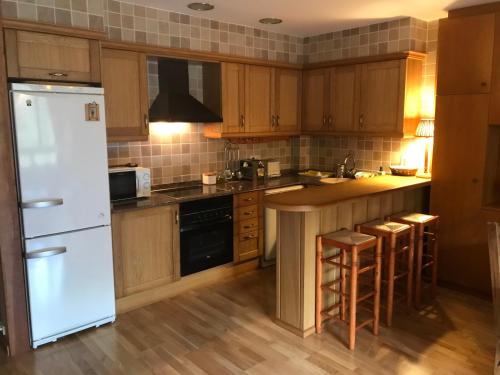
311,17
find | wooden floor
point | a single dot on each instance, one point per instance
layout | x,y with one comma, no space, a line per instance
227,328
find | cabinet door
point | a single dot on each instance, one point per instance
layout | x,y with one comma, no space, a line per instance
342,98
457,173
258,98
382,97
314,94
124,78
287,100
465,55
51,57
145,248
233,97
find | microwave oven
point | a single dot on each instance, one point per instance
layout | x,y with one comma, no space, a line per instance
129,182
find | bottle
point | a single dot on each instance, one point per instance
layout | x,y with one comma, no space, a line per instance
381,171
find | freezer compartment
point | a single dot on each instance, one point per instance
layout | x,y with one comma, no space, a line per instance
70,282
61,161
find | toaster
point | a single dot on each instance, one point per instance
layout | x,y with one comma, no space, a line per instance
273,168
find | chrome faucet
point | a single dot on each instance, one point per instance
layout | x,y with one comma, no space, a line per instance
348,167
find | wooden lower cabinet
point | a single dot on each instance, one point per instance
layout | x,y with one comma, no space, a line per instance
248,226
145,249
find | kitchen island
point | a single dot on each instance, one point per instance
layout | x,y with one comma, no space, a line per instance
304,214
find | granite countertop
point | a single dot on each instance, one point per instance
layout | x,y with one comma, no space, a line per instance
210,191
318,197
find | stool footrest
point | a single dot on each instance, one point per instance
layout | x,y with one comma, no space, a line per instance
399,276
330,258
366,269
428,264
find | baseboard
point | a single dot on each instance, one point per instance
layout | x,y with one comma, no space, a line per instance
221,273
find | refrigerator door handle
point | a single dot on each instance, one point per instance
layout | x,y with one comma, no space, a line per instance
42,203
46,252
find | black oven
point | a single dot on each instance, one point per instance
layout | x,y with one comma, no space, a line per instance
206,227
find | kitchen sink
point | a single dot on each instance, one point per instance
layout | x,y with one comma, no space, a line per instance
334,180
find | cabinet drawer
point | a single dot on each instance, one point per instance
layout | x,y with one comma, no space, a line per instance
254,235
249,225
247,199
51,57
248,249
249,212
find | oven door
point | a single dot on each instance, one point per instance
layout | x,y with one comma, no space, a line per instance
122,185
206,245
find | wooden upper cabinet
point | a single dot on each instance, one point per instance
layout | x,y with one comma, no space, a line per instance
315,91
49,57
287,92
258,99
381,97
145,249
465,55
343,85
124,78
233,97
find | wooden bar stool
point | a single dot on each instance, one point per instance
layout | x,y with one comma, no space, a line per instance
398,240
351,244
426,233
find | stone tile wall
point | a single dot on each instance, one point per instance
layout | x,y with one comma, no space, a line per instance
180,152
166,153
381,38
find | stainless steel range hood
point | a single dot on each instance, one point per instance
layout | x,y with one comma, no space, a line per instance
174,102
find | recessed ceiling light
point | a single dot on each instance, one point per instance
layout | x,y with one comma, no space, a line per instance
270,21
200,6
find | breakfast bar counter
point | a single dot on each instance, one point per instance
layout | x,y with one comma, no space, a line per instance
304,214
318,197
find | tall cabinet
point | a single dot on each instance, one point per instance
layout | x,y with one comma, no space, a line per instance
467,70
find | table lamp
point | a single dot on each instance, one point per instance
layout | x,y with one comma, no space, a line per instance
425,129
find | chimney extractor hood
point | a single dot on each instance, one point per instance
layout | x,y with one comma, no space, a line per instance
174,102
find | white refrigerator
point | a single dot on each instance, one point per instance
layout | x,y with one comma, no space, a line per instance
62,172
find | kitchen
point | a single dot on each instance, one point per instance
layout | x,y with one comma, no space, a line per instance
172,177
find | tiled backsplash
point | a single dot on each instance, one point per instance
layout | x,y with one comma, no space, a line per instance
370,153
185,154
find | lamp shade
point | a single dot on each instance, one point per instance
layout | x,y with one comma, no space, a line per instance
425,128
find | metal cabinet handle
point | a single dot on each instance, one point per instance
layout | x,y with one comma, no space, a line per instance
242,121
278,121
58,74
249,237
330,121
361,120
45,253
176,216
146,122
248,226
273,121
248,213
248,199
42,203
324,121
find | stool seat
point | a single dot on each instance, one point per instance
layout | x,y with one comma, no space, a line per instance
386,226
348,237
416,218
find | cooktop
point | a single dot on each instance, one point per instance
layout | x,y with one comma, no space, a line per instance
191,191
